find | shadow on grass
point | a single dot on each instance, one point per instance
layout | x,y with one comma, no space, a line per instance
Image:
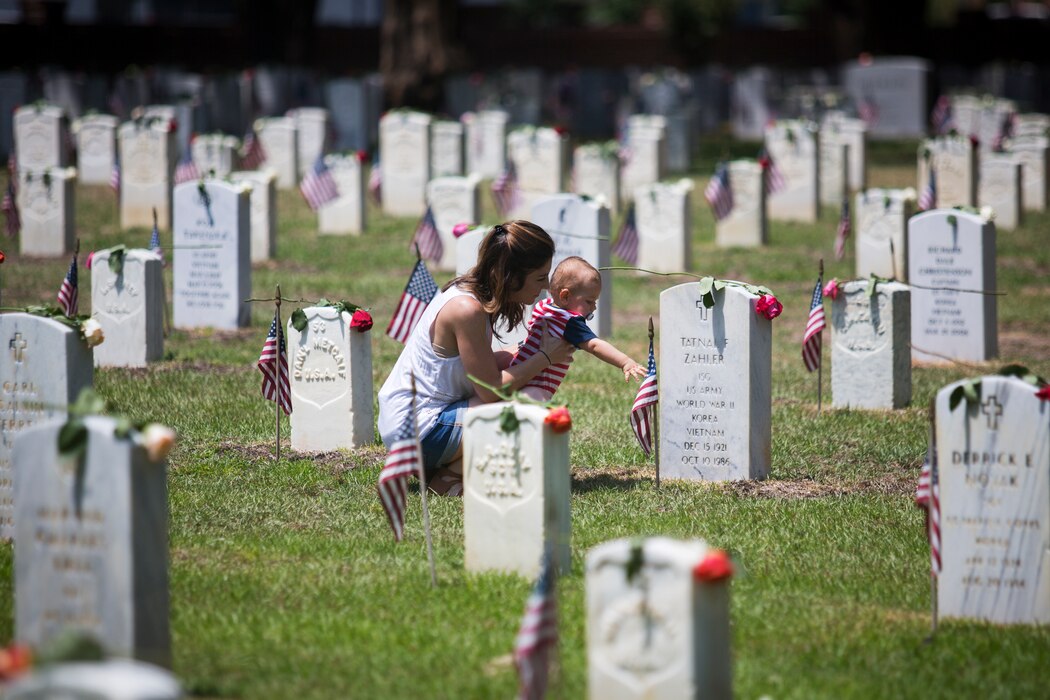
587,480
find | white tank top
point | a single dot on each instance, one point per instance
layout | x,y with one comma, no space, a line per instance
440,381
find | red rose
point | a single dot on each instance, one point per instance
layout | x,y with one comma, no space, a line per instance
974,141
831,289
2,257
88,259
1043,393
560,130
361,321
173,125
15,660
461,228
764,162
362,156
768,306
559,420
716,566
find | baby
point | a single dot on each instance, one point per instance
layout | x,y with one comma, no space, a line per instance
574,290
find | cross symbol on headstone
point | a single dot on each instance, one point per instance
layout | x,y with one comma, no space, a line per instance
18,345
992,413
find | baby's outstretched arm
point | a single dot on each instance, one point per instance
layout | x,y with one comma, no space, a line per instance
607,352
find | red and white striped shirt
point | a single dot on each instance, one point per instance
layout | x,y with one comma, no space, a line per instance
557,318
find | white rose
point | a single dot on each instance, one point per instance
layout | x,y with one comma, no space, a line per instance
92,332
158,440
987,213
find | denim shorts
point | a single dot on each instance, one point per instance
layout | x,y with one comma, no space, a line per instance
444,438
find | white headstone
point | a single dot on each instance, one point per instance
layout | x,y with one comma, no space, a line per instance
147,169
896,87
660,634
966,114
453,200
130,308
112,679
39,137
216,153
263,204
750,102
279,140
993,459
44,365
1001,188
793,147
834,171
92,542
311,140
346,213
881,224
515,492
96,136
953,325
854,133
596,172
663,217
747,224
467,249
46,203
1035,176
486,142
446,148
715,392
954,161
646,152
331,380
539,155
870,350
580,227
404,150
1031,126
994,112
212,267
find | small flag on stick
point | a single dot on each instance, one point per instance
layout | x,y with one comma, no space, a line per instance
505,190
154,239
420,289
941,118
186,170
644,404
273,363
812,339
928,497
627,244
402,462
318,185
252,153
843,230
10,207
537,637
719,193
375,183
427,237
114,176
68,293
774,178
928,196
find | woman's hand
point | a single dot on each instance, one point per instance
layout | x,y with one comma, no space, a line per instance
559,351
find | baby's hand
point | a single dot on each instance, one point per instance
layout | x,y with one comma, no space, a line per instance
633,369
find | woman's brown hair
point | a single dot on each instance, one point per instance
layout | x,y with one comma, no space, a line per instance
508,253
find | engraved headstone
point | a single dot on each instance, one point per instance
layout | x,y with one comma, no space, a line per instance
715,391
46,202
953,249
96,136
954,160
596,173
834,171
993,458
331,382
1031,126
147,169
747,224
662,215
404,149
1001,189
346,213
40,137
453,200
212,268
44,365
278,137
215,154
645,151
515,492
92,542
660,633
836,127
870,346
1034,155
263,204
897,88
486,142
130,308
881,222
539,155
793,147
311,135
446,148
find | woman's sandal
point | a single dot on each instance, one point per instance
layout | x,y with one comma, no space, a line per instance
446,483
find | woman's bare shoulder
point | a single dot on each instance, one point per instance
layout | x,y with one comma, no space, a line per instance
464,309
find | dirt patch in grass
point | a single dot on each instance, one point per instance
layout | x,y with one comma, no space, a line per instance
335,462
285,266
1019,341
890,484
219,335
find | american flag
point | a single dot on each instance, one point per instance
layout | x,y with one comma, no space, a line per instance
868,111
375,183
318,185
402,462
114,176
252,153
505,190
843,230
10,207
812,339
941,117
1006,132
273,363
928,496
537,636
928,196
644,403
186,170
154,242
627,244
68,292
420,289
427,237
719,193
774,178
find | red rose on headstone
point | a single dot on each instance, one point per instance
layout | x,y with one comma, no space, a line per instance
768,306
559,419
831,289
362,156
716,566
361,321
173,125
88,259
461,228
1043,393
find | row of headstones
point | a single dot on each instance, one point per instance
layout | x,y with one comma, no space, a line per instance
985,117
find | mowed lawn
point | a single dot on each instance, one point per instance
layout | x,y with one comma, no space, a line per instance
286,581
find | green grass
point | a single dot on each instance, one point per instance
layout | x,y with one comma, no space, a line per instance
286,582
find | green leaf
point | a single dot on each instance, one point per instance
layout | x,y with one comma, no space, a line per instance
123,427
636,559
751,289
955,397
508,420
116,259
708,299
720,285
873,281
88,403
298,320
972,391
323,302
764,290
1014,370
706,283
72,438
952,221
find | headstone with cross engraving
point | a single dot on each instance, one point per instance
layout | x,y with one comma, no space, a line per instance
515,490
993,464
311,135
215,154
278,138
263,203
596,173
211,263
747,225
47,204
404,150
446,148
663,216
954,163
147,170
40,137
128,302
540,156
453,200
715,366
44,365
655,629
91,537
645,152
793,147
948,250
331,382
486,142
881,223
346,213
96,136
870,345
1001,188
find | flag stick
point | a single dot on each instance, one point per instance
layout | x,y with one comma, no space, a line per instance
893,260
820,363
423,489
929,520
76,247
164,287
656,421
277,383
